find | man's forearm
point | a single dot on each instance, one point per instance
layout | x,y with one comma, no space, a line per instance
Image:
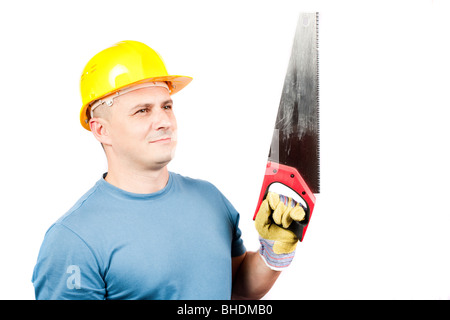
253,279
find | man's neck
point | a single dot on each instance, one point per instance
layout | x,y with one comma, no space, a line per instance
138,182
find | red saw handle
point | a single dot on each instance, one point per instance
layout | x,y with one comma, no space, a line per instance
291,178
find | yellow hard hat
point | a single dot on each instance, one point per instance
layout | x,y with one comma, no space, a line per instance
121,65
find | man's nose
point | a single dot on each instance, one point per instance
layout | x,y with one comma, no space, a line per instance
162,120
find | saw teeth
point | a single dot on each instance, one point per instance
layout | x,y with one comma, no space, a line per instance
318,102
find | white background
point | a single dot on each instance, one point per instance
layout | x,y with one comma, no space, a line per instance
380,229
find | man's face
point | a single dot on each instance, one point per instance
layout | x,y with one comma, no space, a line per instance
143,128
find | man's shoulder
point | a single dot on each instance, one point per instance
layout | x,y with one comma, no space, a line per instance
202,189
82,205
194,183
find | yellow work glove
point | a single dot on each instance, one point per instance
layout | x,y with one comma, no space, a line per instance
277,243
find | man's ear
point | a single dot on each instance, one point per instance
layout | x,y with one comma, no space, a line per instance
99,129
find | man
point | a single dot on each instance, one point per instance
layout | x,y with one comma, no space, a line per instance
143,232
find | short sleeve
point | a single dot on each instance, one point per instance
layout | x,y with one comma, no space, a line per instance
237,246
66,268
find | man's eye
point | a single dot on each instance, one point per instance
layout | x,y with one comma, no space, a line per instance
167,107
145,110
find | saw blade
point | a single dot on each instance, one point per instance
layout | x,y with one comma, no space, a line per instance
295,141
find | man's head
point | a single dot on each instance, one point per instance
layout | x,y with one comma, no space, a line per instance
126,94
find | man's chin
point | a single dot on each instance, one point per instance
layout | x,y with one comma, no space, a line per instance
157,164
158,159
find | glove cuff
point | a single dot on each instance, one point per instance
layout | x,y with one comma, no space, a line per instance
274,261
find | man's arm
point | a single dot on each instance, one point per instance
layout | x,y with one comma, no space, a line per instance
252,279
254,273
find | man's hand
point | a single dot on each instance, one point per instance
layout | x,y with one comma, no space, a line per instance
277,243
252,277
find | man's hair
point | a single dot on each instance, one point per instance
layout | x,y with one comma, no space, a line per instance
103,112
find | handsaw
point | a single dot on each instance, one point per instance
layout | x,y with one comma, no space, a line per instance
293,161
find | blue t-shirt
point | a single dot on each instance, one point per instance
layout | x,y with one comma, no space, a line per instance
176,243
